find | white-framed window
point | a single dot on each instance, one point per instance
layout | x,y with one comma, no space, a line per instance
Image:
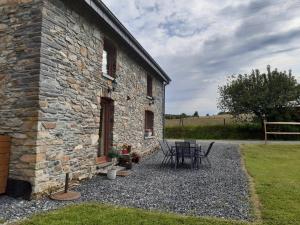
109,59
149,86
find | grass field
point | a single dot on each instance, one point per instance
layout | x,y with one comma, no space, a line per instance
202,121
275,170
212,127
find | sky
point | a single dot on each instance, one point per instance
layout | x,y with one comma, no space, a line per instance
200,43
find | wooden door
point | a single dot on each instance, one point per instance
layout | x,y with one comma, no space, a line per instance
5,143
107,123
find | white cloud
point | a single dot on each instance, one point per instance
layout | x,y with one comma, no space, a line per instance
200,42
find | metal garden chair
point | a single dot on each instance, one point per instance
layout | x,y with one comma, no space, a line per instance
167,151
192,142
199,156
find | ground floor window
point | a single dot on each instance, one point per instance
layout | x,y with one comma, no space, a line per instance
149,123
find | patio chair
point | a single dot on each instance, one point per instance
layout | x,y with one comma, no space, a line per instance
199,156
183,150
167,151
193,143
171,144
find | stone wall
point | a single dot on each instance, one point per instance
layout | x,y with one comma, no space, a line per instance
20,39
51,87
71,87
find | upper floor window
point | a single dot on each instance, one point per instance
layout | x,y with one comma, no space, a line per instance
149,85
109,59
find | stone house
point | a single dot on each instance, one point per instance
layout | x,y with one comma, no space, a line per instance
73,81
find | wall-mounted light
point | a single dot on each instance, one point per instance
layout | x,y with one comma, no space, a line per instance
114,84
152,101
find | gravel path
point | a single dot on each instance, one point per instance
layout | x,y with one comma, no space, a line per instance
220,191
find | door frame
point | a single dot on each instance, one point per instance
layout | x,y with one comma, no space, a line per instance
106,129
5,148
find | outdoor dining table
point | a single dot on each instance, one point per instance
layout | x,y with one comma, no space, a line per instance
181,153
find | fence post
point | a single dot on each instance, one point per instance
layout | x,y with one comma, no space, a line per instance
265,129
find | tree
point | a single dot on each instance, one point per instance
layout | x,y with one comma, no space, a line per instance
196,114
259,94
222,113
183,115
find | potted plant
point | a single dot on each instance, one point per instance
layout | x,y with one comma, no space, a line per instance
127,160
112,171
135,158
125,157
126,149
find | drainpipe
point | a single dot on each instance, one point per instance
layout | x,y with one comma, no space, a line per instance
164,108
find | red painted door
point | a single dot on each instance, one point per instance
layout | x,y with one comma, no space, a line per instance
4,161
107,123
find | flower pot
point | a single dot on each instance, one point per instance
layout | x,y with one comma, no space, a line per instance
125,161
112,174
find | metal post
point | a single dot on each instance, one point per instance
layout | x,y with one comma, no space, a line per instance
265,129
67,183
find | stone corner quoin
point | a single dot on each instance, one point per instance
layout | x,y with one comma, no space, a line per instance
51,86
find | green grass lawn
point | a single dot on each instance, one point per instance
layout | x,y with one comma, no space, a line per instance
92,214
276,173
274,168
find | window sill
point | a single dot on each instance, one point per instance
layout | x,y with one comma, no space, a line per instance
108,77
149,97
151,137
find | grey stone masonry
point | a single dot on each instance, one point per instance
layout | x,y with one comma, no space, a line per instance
20,41
51,88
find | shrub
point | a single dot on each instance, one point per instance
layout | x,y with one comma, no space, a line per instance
233,131
247,131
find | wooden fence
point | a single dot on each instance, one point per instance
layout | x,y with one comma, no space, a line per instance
5,143
279,132
201,121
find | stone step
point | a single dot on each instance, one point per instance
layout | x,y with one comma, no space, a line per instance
103,171
104,165
123,173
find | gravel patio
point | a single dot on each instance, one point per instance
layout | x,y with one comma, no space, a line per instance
220,191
